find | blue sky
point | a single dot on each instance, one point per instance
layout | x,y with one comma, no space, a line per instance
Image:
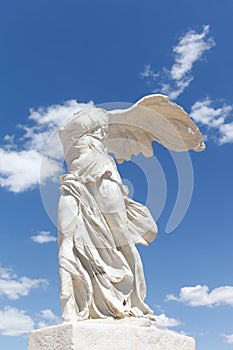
60,56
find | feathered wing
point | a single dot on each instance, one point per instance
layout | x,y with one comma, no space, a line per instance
153,118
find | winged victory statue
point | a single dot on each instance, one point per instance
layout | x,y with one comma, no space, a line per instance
100,270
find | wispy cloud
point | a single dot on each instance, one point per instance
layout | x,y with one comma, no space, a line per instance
202,296
20,170
48,318
226,132
14,287
14,322
20,158
205,113
43,237
163,321
228,338
189,49
148,72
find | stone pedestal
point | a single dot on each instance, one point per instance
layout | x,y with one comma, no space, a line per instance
109,334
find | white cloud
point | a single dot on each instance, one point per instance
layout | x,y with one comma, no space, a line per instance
228,338
173,93
44,237
20,160
7,273
20,170
57,114
226,132
162,321
201,296
9,140
48,318
14,322
204,113
13,287
214,118
190,48
148,72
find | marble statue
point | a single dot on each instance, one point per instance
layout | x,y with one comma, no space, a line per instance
100,270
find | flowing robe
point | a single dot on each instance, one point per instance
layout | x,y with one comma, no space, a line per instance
100,270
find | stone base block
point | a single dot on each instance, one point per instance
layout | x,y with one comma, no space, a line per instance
109,334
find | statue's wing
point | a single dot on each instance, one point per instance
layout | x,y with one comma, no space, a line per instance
153,118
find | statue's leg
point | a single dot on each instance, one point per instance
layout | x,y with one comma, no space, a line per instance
110,201
71,272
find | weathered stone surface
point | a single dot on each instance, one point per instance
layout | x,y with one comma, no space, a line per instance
126,334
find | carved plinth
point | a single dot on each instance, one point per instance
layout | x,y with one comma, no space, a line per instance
126,334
